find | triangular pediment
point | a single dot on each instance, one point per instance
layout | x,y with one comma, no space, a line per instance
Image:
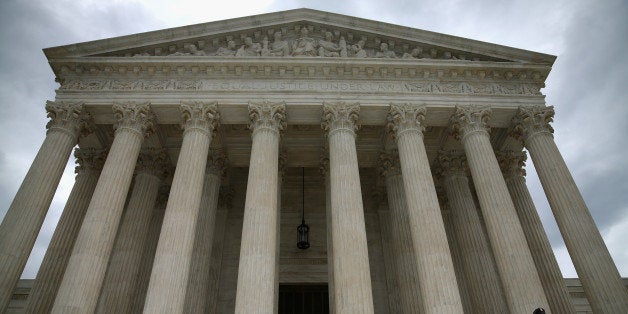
299,33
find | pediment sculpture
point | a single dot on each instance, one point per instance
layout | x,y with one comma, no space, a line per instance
304,41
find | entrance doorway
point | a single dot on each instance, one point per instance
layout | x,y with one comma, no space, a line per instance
303,299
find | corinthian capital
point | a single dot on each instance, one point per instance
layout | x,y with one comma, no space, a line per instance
266,115
155,162
452,163
216,163
197,115
404,118
70,118
470,119
512,163
135,117
340,116
389,163
532,120
89,160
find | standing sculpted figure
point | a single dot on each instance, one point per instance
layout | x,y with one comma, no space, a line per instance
342,45
327,48
249,49
384,52
280,47
305,45
227,51
265,50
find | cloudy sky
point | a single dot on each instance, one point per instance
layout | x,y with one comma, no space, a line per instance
586,84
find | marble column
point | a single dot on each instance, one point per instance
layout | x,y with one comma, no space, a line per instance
599,276
117,293
196,298
512,165
216,259
401,235
437,279
46,285
520,280
258,258
84,275
482,280
23,220
324,171
171,267
352,278
392,287
150,246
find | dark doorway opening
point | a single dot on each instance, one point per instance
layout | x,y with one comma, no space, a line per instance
303,299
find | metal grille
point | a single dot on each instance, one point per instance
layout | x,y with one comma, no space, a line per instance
303,299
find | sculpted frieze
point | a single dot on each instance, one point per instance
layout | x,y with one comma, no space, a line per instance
302,40
427,87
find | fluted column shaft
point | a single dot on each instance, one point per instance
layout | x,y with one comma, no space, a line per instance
600,278
437,279
330,244
216,261
46,285
257,267
520,280
118,289
481,276
407,271
150,246
196,298
171,267
552,279
23,220
85,272
352,279
394,302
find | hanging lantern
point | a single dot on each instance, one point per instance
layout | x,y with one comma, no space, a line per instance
303,230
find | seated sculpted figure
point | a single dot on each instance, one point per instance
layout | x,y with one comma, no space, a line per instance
384,52
249,49
228,51
414,54
342,45
327,48
194,50
305,45
358,49
280,47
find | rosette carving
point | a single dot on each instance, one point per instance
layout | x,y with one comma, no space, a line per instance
68,117
266,115
134,117
197,115
532,120
512,163
340,116
404,118
470,119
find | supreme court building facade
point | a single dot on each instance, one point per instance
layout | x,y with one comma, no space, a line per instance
193,143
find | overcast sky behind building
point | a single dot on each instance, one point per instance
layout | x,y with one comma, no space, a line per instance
587,85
